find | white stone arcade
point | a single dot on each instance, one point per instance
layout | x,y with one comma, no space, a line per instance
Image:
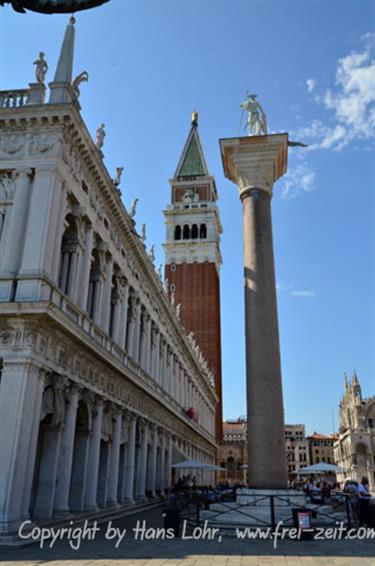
97,373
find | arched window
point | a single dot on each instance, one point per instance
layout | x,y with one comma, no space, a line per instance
230,465
177,232
203,231
186,232
94,283
194,232
69,255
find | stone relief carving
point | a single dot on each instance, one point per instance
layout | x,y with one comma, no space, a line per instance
13,143
7,187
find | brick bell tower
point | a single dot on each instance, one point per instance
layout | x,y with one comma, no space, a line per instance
192,254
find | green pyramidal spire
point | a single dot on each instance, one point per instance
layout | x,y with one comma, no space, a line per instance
192,162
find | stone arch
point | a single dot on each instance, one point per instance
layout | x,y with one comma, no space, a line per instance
194,232
47,453
203,231
361,451
177,232
186,232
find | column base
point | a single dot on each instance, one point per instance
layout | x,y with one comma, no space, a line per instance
114,504
141,498
62,513
91,508
128,501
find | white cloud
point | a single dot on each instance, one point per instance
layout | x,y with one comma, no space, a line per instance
305,293
299,179
310,83
351,103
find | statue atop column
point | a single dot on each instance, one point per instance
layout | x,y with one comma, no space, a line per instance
51,6
256,117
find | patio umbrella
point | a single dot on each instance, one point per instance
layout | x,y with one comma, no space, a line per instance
194,465
321,468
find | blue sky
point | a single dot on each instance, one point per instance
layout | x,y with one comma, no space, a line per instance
151,63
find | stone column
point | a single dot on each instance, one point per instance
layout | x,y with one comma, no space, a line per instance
20,395
114,462
93,459
85,267
129,488
137,331
129,338
106,295
66,454
154,453
60,212
16,233
120,335
39,247
141,494
162,463
32,448
148,350
155,370
254,164
169,469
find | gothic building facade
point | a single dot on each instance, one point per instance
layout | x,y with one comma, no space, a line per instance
354,449
192,255
97,372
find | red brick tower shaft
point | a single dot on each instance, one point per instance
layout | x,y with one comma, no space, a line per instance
193,257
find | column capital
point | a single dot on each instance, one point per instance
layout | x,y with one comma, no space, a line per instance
21,172
255,162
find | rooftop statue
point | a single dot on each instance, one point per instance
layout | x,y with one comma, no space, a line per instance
256,117
82,77
52,6
41,68
100,135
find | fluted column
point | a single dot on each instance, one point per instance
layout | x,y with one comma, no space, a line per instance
93,458
129,488
66,453
114,462
254,164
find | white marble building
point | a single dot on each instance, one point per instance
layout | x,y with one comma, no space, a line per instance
97,372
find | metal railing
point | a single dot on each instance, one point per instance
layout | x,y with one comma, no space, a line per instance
263,511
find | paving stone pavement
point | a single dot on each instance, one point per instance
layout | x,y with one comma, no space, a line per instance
228,552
